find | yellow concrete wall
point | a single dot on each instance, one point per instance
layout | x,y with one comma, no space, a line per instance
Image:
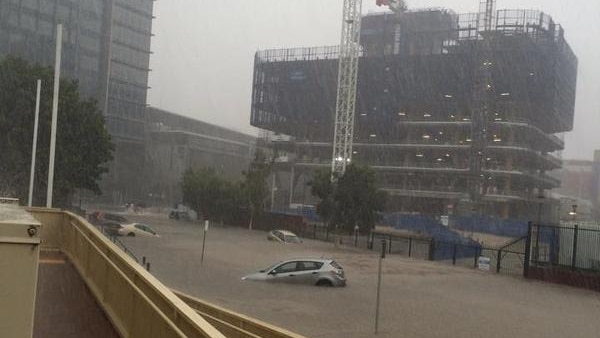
18,266
136,303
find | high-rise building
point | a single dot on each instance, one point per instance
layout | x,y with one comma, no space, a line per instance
106,47
454,120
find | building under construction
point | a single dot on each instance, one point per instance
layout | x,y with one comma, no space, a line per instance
454,121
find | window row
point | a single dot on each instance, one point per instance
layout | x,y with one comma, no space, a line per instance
127,92
130,55
128,37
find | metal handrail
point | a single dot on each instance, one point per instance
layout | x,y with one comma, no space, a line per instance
120,244
137,304
234,324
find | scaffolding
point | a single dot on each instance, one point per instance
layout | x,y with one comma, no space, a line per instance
425,116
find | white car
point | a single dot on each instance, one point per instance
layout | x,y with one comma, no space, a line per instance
283,236
320,272
137,229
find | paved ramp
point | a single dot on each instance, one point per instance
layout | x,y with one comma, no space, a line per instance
65,308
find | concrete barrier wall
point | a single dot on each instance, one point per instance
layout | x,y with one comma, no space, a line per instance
137,304
51,229
234,324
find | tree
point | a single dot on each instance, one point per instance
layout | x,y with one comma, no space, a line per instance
322,187
209,194
352,199
357,200
254,186
83,146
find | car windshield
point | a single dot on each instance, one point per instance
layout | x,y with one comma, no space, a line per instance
446,152
270,267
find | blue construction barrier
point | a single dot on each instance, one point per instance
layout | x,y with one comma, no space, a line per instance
491,225
447,243
425,225
309,212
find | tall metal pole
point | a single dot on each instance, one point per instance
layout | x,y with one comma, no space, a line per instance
204,241
34,146
54,115
273,189
346,87
381,257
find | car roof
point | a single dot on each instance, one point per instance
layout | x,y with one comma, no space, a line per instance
287,233
321,260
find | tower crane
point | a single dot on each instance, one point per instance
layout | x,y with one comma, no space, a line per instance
346,87
347,79
483,101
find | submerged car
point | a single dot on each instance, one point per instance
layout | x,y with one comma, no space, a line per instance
135,229
110,228
283,236
179,215
320,272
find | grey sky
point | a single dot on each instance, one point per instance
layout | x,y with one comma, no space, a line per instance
204,52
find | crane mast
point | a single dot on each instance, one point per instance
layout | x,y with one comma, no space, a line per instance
346,87
483,102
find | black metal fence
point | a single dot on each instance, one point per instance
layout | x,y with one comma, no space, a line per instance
571,247
508,259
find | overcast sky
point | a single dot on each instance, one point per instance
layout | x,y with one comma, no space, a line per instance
204,52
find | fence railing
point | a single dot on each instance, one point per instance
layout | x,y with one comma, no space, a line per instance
234,324
508,259
137,304
572,247
566,254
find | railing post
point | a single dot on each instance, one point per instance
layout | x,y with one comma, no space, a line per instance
315,231
574,255
527,251
536,254
390,246
454,254
144,260
476,258
372,238
327,233
498,260
409,246
432,249
148,266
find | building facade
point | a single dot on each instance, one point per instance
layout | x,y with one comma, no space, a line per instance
106,47
580,185
454,120
176,143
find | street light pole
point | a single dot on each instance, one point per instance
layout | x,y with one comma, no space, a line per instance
574,212
54,115
540,205
34,146
381,257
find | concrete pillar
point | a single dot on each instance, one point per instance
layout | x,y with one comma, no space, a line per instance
511,136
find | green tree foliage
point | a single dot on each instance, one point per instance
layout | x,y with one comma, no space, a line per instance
209,194
322,187
83,146
214,197
352,199
254,186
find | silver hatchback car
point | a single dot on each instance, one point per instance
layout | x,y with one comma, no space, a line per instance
321,272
